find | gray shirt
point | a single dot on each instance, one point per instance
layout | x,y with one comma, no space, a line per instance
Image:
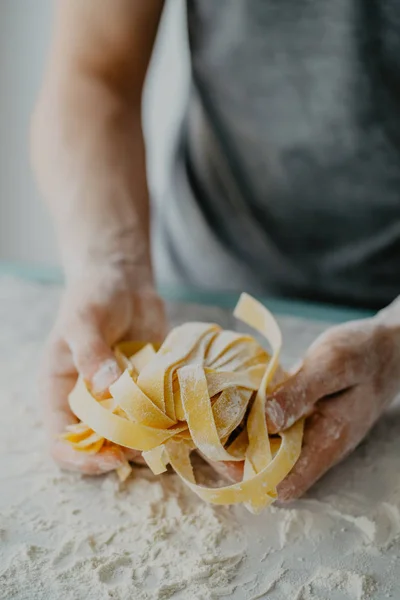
287,173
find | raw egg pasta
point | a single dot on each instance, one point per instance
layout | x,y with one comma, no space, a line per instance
204,389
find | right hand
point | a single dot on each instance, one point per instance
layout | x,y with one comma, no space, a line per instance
103,307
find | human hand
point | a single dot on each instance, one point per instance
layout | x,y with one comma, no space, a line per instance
348,377
102,307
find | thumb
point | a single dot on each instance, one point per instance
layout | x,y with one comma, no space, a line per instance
290,401
333,363
92,356
296,397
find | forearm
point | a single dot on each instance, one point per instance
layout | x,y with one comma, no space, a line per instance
89,157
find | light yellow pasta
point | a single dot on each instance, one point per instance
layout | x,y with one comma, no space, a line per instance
203,389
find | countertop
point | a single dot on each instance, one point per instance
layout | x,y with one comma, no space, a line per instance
65,536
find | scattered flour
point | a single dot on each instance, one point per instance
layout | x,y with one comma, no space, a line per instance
67,537
138,545
325,580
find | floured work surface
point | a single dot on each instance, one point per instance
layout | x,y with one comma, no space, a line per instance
63,536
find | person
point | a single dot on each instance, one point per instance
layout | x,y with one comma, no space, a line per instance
286,181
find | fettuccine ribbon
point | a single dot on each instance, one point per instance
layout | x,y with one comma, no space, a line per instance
204,389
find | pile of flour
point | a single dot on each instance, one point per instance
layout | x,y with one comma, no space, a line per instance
63,536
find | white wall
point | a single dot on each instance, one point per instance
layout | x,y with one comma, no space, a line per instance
25,25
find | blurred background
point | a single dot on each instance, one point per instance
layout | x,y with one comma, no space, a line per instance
25,27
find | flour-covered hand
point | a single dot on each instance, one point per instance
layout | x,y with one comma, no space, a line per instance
348,377
102,307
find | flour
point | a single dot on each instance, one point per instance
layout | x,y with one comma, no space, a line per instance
137,545
68,537
268,586
354,585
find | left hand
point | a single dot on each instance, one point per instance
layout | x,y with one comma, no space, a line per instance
348,377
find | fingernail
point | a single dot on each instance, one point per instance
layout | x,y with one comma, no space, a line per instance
107,373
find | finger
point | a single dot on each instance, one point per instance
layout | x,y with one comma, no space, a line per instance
323,373
94,359
325,442
230,470
57,378
289,401
336,361
108,459
331,433
134,456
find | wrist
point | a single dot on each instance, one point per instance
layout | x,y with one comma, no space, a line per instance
118,275
127,257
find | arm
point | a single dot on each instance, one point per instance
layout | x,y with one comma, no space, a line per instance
88,151
88,147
